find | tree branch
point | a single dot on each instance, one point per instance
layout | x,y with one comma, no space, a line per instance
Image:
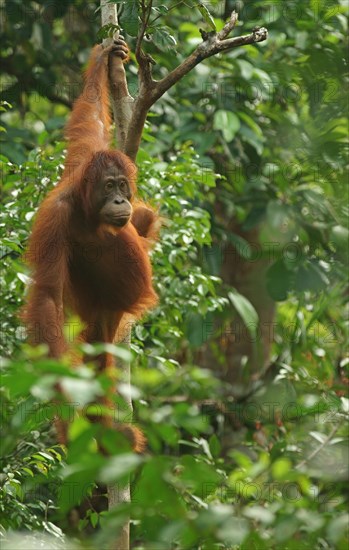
151,90
144,60
229,26
318,449
213,44
146,11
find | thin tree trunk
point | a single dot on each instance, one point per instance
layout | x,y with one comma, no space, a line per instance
122,110
246,357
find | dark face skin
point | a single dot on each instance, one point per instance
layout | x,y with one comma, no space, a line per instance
112,197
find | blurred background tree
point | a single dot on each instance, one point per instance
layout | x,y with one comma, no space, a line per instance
251,268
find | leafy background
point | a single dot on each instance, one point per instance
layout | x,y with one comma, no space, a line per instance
239,376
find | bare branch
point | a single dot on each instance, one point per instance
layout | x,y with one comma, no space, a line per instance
144,60
209,47
318,449
228,27
145,70
55,98
136,125
259,35
150,90
146,11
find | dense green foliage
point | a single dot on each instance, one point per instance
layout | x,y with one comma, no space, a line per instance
257,135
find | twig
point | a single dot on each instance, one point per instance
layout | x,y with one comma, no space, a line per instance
318,449
151,90
144,60
169,9
146,11
212,44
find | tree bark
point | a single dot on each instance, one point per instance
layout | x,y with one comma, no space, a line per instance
122,109
246,357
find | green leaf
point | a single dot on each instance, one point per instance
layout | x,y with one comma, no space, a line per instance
277,214
251,123
227,122
160,9
242,246
281,467
340,236
94,519
279,281
195,329
215,446
207,16
120,466
195,473
104,32
129,18
163,39
84,391
250,136
253,218
338,527
259,513
246,69
245,309
310,277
